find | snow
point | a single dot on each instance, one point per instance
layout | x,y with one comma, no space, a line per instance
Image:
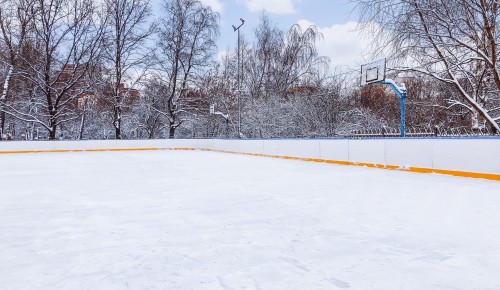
206,220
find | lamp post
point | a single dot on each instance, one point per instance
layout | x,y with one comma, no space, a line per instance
238,76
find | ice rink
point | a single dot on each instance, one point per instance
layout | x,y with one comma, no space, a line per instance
207,220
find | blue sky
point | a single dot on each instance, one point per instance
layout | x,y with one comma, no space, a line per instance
335,19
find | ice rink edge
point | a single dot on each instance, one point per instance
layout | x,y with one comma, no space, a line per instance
489,176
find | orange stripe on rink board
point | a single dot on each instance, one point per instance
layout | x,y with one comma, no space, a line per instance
488,176
92,150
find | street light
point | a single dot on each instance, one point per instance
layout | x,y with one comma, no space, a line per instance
238,76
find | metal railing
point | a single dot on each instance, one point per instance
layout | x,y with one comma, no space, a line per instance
422,132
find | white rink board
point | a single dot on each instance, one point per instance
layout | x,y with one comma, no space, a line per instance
418,153
367,151
480,155
300,148
338,150
473,155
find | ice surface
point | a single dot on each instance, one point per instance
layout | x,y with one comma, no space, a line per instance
205,220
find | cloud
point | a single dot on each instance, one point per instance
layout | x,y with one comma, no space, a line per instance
343,44
271,6
215,4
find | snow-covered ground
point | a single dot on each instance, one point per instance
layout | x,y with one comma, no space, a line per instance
205,220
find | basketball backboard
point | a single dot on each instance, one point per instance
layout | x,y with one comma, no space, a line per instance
373,72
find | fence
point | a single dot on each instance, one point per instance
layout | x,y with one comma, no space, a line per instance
357,134
421,132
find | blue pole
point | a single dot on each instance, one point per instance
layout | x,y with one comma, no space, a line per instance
402,100
401,93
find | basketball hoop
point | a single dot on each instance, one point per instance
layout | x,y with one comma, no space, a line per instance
374,73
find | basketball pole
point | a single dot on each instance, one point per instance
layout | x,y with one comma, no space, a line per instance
401,93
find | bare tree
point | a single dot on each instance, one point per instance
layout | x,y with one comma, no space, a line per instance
299,61
279,60
453,41
128,30
15,19
150,118
263,57
67,40
186,42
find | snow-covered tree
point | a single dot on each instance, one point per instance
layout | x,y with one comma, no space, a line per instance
15,19
66,39
453,41
128,28
186,44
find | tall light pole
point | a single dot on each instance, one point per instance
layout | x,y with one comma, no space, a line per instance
238,76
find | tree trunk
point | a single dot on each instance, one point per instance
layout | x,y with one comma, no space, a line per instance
52,123
3,97
117,123
2,124
171,132
82,127
52,132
